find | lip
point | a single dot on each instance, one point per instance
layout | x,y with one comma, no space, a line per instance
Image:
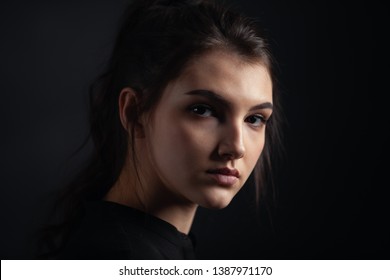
225,171
224,176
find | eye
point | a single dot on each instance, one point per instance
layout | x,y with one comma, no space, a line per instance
202,110
256,120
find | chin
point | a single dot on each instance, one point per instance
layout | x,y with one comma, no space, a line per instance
216,201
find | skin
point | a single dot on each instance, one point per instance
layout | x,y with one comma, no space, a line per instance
212,116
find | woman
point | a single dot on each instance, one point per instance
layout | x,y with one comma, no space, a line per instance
180,119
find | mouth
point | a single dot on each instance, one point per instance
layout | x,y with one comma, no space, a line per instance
225,171
224,176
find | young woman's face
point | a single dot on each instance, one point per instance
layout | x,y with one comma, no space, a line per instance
208,130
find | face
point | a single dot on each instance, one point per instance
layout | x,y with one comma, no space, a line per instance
208,129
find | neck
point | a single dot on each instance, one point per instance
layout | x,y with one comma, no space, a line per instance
179,216
153,198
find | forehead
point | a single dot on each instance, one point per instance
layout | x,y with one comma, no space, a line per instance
227,74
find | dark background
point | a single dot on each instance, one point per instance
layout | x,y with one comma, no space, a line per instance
332,184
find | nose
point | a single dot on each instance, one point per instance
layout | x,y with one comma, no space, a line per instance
231,144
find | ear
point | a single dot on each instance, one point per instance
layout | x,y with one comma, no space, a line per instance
128,111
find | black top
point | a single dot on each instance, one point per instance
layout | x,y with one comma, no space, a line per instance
113,231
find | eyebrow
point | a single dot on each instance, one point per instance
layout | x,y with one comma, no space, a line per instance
219,99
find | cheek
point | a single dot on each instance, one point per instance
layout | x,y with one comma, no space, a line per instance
180,145
254,147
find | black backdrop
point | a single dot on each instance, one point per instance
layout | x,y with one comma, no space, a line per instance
332,183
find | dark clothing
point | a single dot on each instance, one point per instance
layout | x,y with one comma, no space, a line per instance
113,231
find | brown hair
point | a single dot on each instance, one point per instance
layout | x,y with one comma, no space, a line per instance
156,40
